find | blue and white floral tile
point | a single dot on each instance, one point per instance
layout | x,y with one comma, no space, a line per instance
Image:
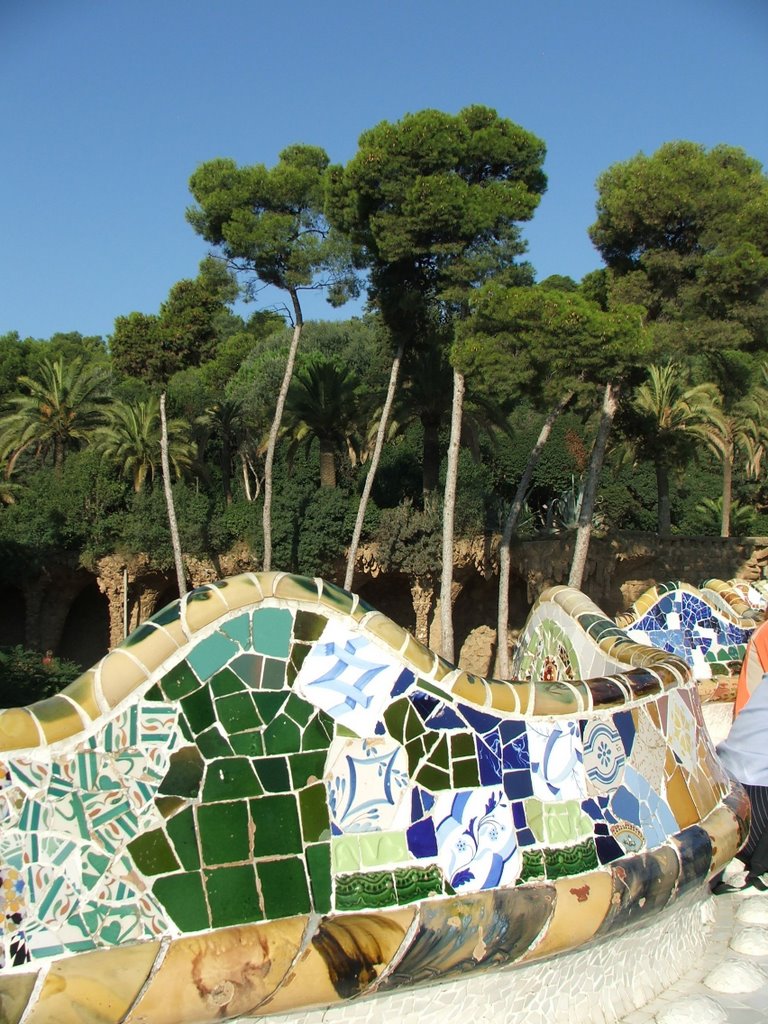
557,760
367,784
604,755
477,844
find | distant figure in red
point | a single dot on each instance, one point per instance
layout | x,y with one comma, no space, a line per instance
48,657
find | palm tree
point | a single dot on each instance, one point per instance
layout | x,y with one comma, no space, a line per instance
742,431
62,409
672,416
131,439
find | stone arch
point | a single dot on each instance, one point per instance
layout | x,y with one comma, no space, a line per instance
164,597
13,617
391,594
85,633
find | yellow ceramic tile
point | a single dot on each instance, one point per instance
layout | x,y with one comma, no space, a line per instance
385,629
202,608
83,692
723,830
94,988
19,729
505,696
220,974
288,587
58,718
119,675
419,657
580,909
15,990
350,950
556,698
680,801
469,687
152,647
238,591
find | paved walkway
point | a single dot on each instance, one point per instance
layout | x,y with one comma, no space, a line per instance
740,921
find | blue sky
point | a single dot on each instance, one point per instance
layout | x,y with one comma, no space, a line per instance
107,106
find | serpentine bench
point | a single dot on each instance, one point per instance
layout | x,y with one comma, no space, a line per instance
272,798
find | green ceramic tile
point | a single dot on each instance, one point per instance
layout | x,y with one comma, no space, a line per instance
572,860
233,895
238,629
282,736
272,631
394,717
416,752
318,732
299,710
466,773
269,703
152,854
299,653
183,899
224,832
284,885
533,866
413,884
183,835
438,755
273,677
309,626
306,768
313,808
277,829
250,743
237,712
226,682
369,890
198,709
345,854
414,726
248,667
179,681
213,744
168,805
167,615
184,775
427,687
319,867
229,778
272,773
382,848
154,693
210,655
433,778
335,597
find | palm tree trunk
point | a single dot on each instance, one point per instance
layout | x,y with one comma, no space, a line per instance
725,525
502,625
327,466
172,524
298,323
449,509
385,412
663,508
584,531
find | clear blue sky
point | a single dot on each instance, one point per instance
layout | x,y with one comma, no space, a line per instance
107,106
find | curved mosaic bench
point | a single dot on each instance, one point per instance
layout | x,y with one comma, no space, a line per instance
270,796
753,592
708,628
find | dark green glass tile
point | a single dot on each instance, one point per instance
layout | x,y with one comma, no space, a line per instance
282,736
313,807
225,682
272,773
213,744
272,631
152,854
466,774
186,732
212,654
273,677
249,743
319,867
394,718
181,831
229,778
416,752
224,832
533,865
154,693
306,768
298,654
463,745
168,805
185,772
365,890
298,709
238,629
248,667
413,724
237,712
318,732
433,778
276,825
571,860
198,709
269,704
336,597
179,681
284,885
413,884
435,690
438,756
233,896
309,626
183,899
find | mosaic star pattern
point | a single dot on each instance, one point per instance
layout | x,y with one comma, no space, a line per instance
271,796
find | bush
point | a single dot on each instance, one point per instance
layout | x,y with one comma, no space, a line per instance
28,676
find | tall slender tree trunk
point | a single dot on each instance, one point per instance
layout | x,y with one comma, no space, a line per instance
502,624
584,531
430,462
173,526
364,497
449,509
663,508
725,524
298,323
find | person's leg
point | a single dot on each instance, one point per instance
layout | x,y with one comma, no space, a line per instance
757,844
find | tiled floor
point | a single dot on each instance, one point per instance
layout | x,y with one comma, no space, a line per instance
692,999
